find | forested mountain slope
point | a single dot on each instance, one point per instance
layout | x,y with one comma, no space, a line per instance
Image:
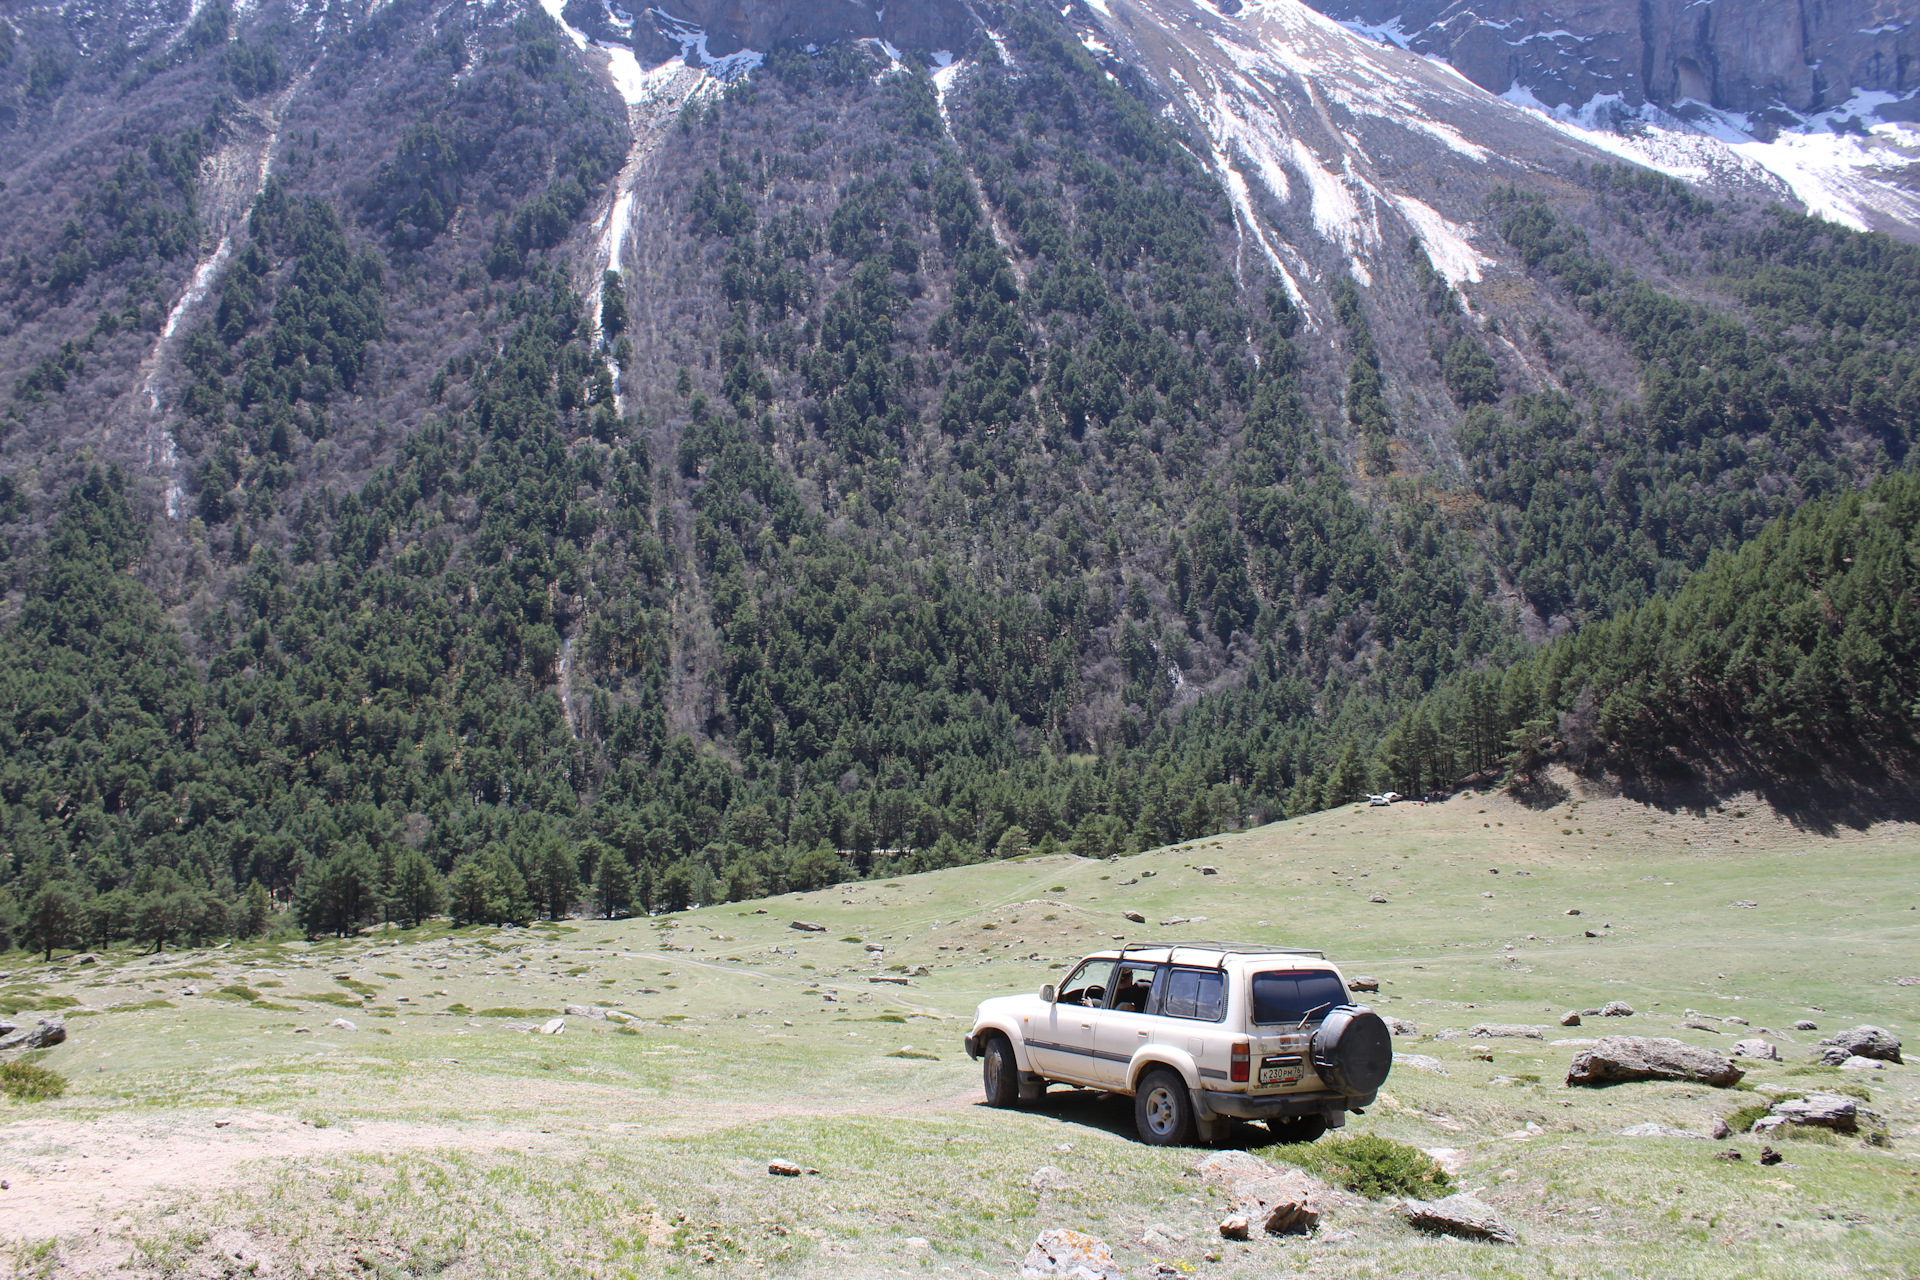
439,444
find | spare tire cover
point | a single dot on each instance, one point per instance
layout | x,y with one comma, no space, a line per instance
1352,1050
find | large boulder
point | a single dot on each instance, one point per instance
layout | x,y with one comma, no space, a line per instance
1616,1059
1862,1042
1818,1110
46,1033
1061,1253
1756,1048
1462,1216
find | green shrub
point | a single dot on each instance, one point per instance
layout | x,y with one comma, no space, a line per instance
28,1083
1859,1091
1373,1166
236,992
1742,1120
508,1012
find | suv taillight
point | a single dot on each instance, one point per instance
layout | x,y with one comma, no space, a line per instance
1239,1065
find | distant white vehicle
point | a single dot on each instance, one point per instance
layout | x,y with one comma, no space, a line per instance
1382,798
1198,1033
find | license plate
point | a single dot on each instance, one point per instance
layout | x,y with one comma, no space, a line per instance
1280,1075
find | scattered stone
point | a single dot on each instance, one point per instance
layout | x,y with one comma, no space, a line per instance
1065,1254
921,971
1820,1110
784,1169
1480,1053
622,1017
1569,1019
1769,1156
1420,1062
1591,934
1731,1153
1616,1009
1657,1131
585,1011
1744,902
341,1024
1858,1063
1462,1216
84,958
1234,1227
1401,1027
1282,1202
1378,897
1361,982
1618,1058
807,926
1506,1031
1161,1271
1173,920
1736,1022
895,980
221,1124
1755,1048
1573,911
45,1034
1048,1178
1804,1025
1700,1024
1209,871
1720,1129
1865,1042
556,1027
1135,916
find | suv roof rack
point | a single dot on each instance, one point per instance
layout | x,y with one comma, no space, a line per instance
1225,949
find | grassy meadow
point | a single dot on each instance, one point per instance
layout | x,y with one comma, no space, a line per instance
217,1122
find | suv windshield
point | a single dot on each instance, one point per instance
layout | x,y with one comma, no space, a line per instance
1290,995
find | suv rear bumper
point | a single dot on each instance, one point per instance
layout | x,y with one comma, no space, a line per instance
1246,1106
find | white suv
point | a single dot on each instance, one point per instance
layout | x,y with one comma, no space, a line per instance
1195,1032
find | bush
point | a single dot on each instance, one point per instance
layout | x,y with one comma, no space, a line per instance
28,1083
1742,1120
1373,1166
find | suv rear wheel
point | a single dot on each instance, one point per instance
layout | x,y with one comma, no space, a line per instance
999,1073
1163,1110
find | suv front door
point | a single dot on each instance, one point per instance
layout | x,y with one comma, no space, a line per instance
1128,1022
1060,1040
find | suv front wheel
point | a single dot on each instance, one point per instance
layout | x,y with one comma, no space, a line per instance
1163,1110
999,1073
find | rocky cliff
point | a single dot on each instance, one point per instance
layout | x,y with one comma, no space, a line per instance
1739,55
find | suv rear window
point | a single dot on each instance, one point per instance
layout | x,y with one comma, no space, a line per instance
1290,995
1195,993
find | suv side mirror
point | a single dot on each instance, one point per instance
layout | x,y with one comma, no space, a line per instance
1048,994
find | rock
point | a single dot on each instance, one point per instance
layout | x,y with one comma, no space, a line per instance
1720,1129
85,957
1173,920
896,981
1746,902
1700,1024
1462,1216
1657,1131
622,1017
1361,982
556,1027
1769,1156
1867,1042
1736,1022
1069,1255
784,1169
1570,1019
1506,1031
1234,1227
874,948
1401,1027
1755,1048
1420,1062
1048,1178
807,926
1616,1009
1804,1025
1618,1058
1590,934
45,1034
1209,871
1135,916
1858,1063
1378,897
921,971
1281,1201
341,1024
1731,1153
1573,911
585,1011
1823,1110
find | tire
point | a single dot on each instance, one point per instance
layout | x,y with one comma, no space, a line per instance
1000,1074
1163,1110
1297,1129
1352,1051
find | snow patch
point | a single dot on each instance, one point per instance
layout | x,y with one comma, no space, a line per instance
1447,245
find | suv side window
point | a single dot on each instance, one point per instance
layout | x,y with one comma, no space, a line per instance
1294,995
1085,985
1195,993
1132,984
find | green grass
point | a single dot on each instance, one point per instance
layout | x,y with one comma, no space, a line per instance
25,1082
